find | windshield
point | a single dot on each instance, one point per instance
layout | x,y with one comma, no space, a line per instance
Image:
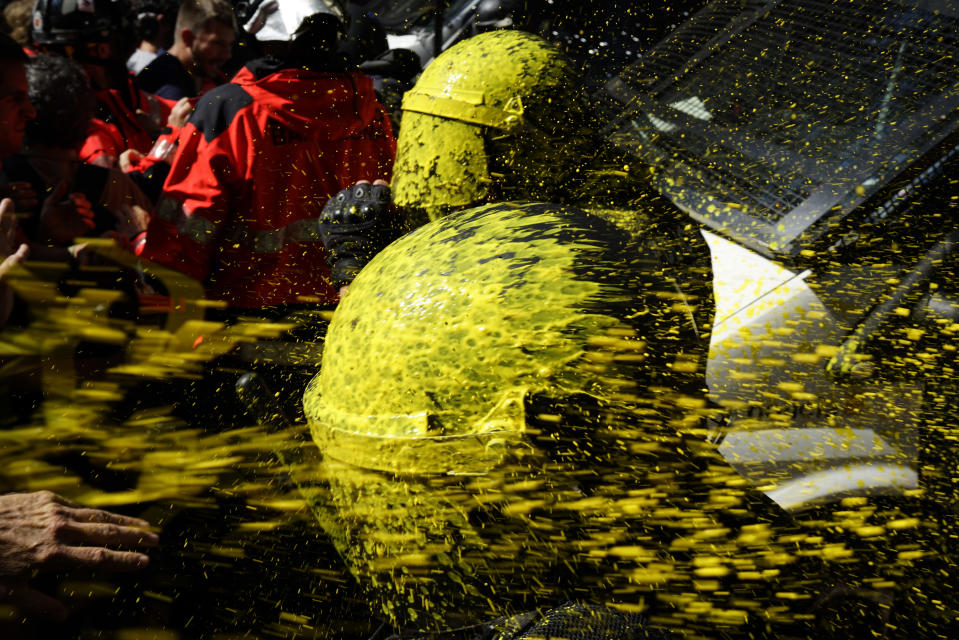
399,16
764,117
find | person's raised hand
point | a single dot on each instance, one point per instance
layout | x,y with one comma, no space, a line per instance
129,159
13,259
180,113
11,253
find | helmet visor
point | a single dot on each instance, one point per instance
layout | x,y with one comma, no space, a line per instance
440,165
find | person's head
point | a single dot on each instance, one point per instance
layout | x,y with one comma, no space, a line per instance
153,21
301,32
497,387
499,116
64,102
365,38
94,33
18,16
204,34
15,107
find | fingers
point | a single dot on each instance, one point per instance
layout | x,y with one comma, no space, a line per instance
379,182
51,497
14,259
103,534
180,113
8,226
94,558
129,159
98,515
139,218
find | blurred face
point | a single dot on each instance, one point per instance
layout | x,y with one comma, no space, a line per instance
212,47
15,107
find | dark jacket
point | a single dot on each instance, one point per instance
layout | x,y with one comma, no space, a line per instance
168,78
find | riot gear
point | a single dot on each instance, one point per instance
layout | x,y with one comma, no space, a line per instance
499,116
76,23
495,387
355,226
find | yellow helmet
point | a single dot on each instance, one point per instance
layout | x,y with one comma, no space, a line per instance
501,112
487,389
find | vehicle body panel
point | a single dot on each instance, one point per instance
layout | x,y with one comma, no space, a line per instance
814,141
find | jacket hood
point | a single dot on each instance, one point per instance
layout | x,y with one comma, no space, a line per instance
318,105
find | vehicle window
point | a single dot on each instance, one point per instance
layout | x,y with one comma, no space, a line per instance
766,118
400,16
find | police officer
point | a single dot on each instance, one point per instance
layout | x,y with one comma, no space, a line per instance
502,116
504,388
508,411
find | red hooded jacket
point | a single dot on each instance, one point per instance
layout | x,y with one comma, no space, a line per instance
257,161
118,126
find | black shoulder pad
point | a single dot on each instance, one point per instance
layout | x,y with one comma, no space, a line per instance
218,107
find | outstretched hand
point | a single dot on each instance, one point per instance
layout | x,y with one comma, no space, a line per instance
44,532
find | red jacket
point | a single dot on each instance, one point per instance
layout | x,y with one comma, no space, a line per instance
118,126
256,163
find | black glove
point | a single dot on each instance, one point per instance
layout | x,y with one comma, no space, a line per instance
355,225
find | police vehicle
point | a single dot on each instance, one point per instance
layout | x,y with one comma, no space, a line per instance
817,144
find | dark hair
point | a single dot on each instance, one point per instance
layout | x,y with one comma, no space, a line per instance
64,101
314,43
365,39
145,16
10,51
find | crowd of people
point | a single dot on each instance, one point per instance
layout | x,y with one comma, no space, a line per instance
107,152
505,391
149,145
